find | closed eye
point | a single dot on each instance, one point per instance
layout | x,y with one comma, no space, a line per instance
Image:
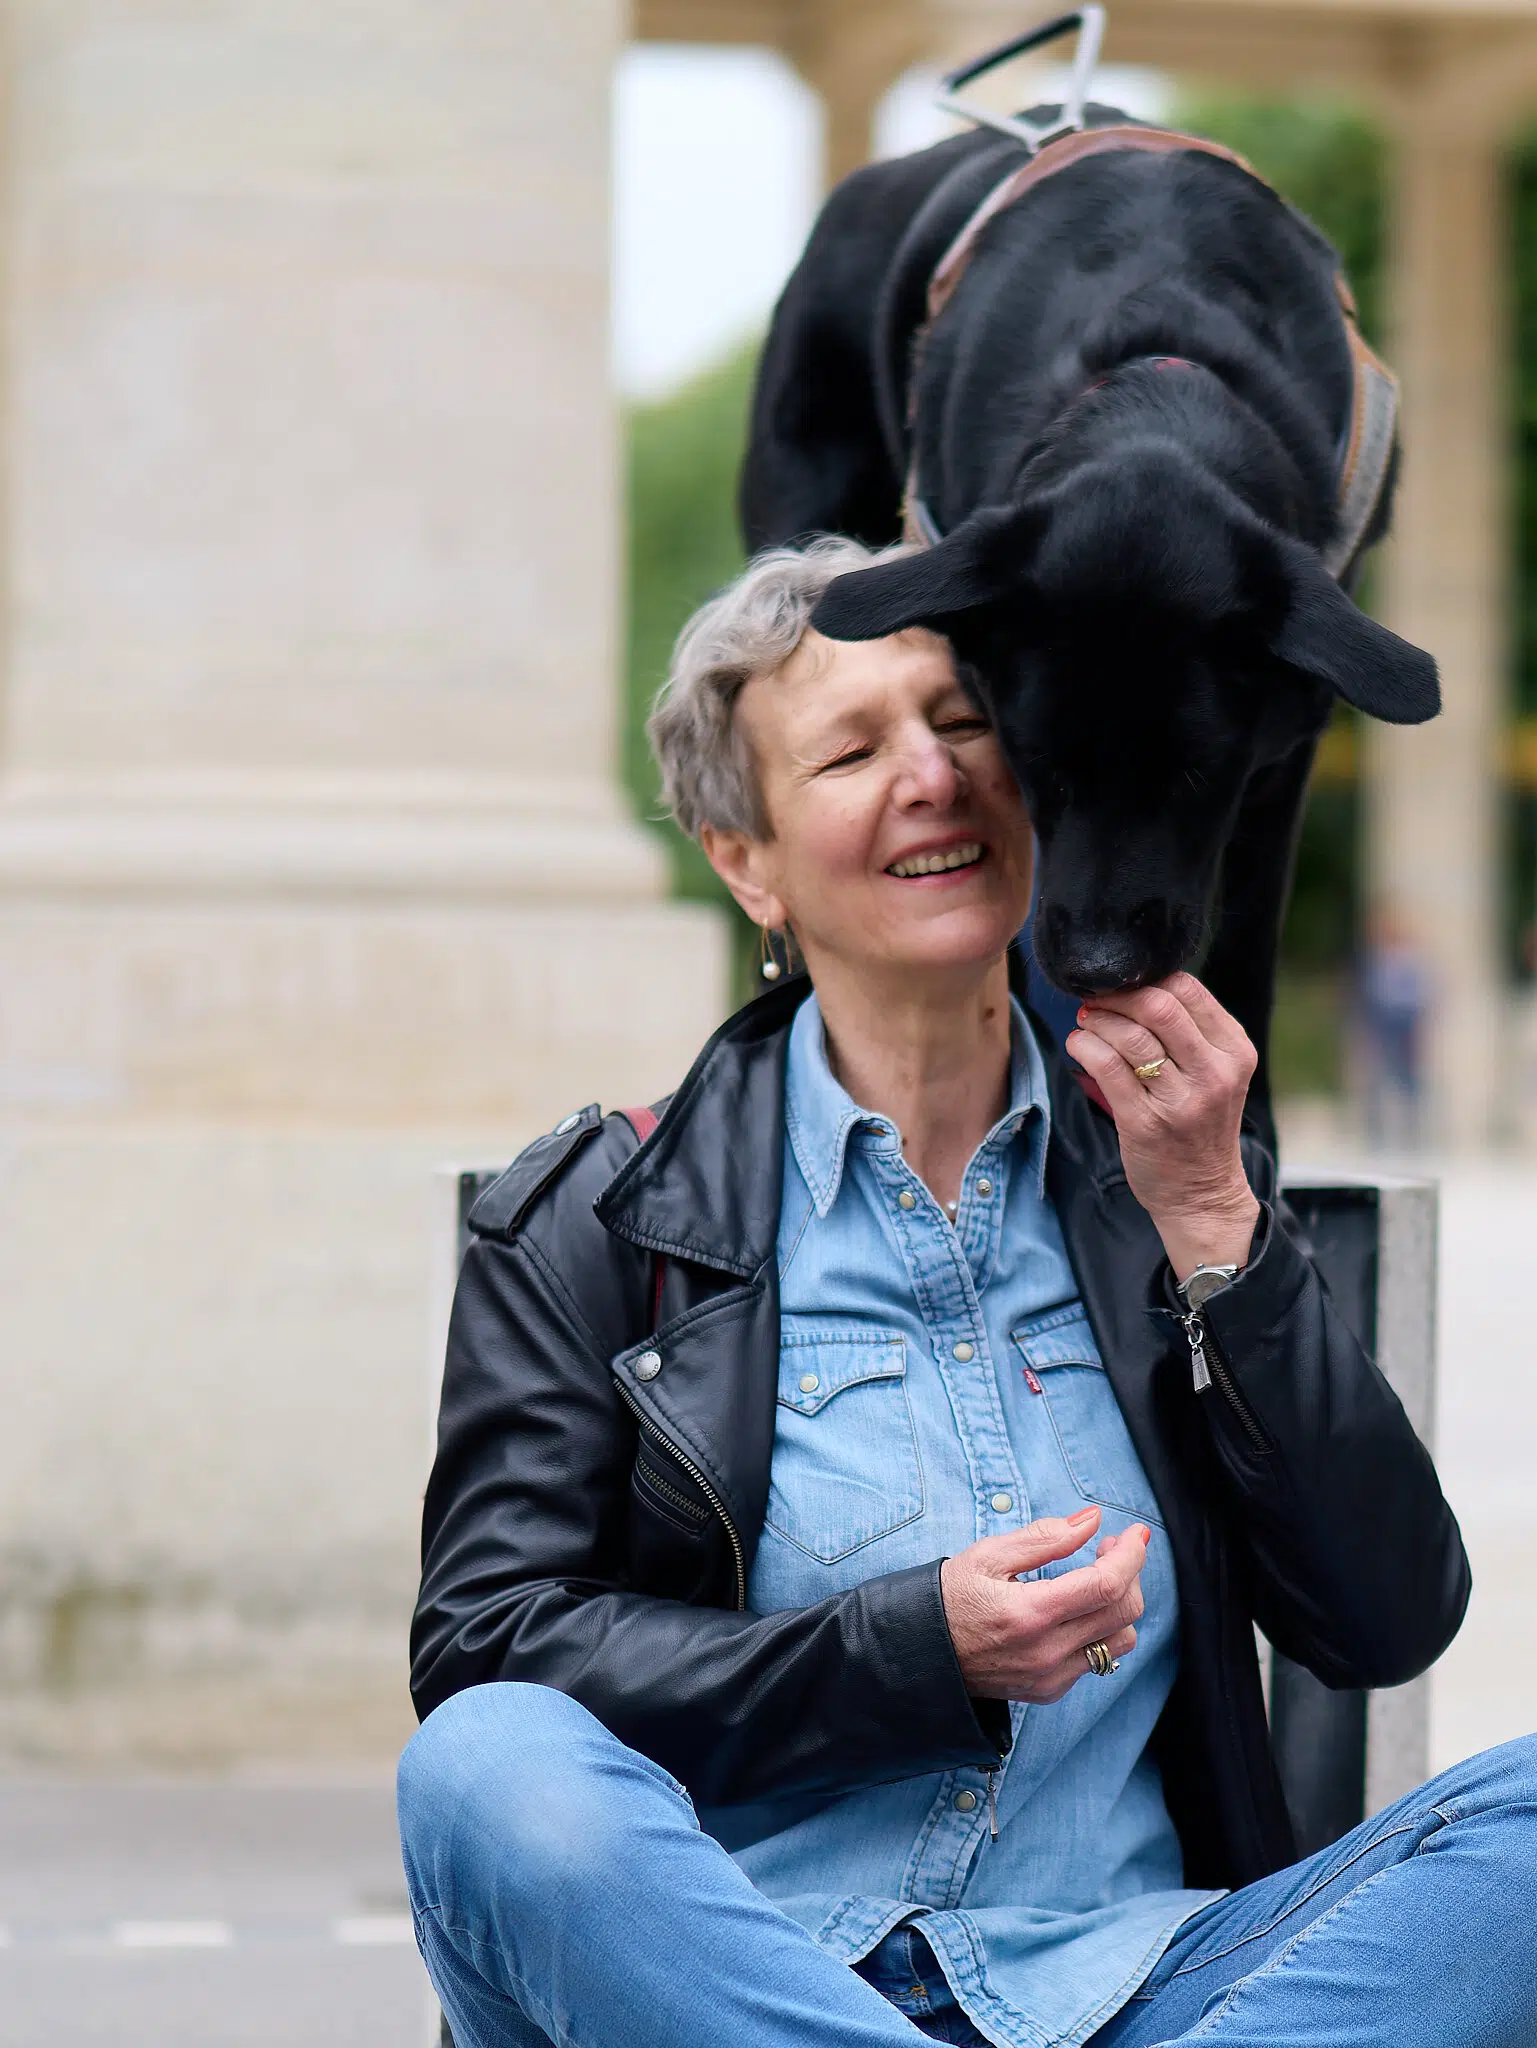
846,760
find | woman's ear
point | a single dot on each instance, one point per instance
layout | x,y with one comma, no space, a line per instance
740,862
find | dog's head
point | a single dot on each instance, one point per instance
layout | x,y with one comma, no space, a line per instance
1143,644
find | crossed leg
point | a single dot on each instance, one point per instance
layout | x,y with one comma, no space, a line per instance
1416,1930
564,1892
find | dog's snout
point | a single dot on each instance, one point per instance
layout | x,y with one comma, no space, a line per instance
1089,957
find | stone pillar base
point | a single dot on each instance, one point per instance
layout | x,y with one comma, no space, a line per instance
217,1373
341,964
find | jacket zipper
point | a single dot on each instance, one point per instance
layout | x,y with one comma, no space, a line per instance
1208,1367
704,1486
670,1493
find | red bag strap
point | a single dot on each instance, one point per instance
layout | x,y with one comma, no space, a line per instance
643,1122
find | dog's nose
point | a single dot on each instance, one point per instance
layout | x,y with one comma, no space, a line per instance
1088,960
1093,970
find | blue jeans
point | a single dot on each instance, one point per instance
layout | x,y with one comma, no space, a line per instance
563,1891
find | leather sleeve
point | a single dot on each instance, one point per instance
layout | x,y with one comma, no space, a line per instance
524,1577
1358,1571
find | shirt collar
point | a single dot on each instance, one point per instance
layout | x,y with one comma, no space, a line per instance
821,1115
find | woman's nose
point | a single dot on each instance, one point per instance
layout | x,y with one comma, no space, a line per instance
930,774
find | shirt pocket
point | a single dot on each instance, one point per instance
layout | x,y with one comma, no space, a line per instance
845,1468
1063,1360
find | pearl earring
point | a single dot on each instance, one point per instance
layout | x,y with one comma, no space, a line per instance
768,966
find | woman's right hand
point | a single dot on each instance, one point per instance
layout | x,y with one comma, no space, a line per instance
1027,1642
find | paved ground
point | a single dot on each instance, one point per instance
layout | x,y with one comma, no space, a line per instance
215,1913
159,1914
1485,1689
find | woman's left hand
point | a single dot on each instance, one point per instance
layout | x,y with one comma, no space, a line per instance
1178,1126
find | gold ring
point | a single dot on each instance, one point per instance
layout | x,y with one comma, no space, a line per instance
1101,1663
1151,1067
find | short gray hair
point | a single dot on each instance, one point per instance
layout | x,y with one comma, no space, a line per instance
750,628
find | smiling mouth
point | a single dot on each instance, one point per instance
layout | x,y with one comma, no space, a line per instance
938,863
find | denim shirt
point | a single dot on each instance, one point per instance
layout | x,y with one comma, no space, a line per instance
939,1382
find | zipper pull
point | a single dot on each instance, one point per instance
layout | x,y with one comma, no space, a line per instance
1032,1382
1200,1371
992,1808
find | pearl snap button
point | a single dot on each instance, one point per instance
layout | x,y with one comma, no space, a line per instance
809,1383
963,1352
907,1199
648,1365
984,1188
965,1802
1002,1502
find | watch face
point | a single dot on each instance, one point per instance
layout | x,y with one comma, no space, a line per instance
1207,1281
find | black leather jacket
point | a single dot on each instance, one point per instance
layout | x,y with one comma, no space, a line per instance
591,1519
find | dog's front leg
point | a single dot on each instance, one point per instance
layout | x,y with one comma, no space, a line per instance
1256,886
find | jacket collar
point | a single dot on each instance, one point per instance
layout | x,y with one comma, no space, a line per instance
706,1185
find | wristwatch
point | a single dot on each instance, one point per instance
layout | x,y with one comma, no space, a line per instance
1204,1282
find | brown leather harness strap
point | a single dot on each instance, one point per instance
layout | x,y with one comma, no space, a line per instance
1367,448
643,1122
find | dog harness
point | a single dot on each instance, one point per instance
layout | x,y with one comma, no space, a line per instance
1366,447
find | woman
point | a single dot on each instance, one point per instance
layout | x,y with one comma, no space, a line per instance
854,1502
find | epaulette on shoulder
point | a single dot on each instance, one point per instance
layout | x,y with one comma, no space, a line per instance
501,1209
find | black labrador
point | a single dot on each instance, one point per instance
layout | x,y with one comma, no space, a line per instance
1123,432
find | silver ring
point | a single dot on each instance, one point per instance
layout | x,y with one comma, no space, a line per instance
1101,1663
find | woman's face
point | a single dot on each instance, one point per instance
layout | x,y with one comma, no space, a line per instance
899,835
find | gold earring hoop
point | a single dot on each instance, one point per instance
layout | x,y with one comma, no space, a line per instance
768,966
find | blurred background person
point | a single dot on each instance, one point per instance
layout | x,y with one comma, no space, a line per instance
1394,997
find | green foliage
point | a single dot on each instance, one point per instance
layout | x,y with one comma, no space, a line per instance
683,543
1327,160
683,458
1523,282
1520,822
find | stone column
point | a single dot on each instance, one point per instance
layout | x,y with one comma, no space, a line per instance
851,54
1433,790
314,866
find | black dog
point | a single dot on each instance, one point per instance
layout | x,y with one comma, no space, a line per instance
1125,427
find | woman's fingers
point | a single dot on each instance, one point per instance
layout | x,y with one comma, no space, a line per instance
1153,1016
1216,1025
1027,1641
1126,1095
1026,1550
1097,1588
1135,1043
1075,1666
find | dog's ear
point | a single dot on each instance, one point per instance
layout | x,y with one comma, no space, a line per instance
1325,635
984,558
